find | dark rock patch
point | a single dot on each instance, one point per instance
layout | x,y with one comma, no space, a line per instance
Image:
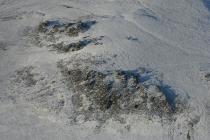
26,76
67,6
37,90
3,46
207,76
61,47
132,38
111,93
69,28
58,35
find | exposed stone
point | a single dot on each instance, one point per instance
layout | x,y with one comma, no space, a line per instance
207,76
61,47
26,76
69,28
57,34
113,92
3,46
37,90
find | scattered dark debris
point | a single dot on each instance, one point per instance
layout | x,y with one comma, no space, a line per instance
61,47
115,55
38,90
97,40
51,32
67,6
188,136
3,46
132,38
79,45
47,98
47,25
111,93
69,28
207,76
26,76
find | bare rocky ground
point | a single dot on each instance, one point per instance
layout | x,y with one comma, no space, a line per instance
91,92
37,89
96,95
101,95
57,35
3,46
